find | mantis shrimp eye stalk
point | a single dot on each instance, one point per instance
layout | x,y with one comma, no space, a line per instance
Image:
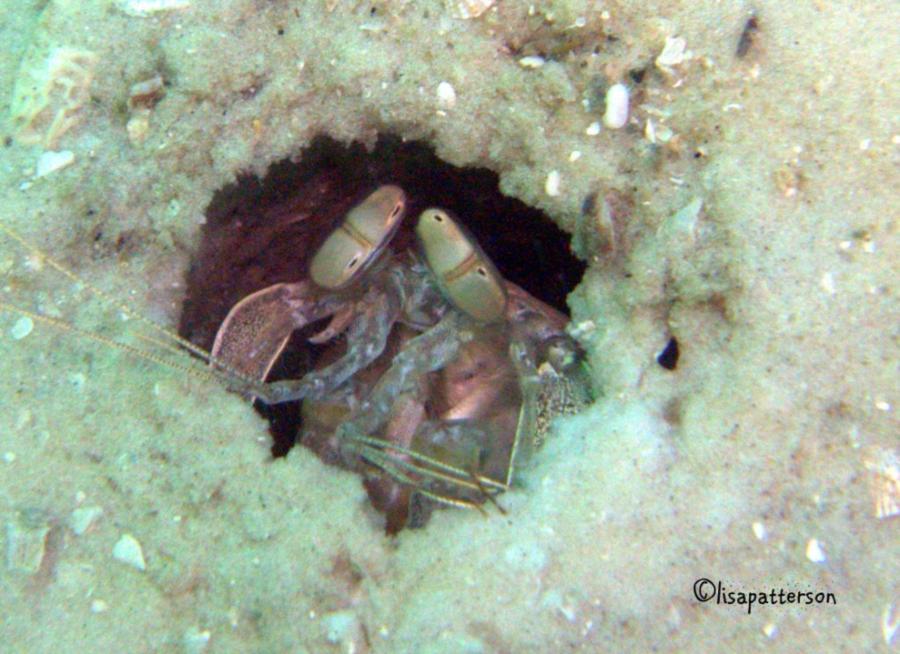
465,274
362,235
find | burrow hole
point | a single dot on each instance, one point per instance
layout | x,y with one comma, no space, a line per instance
261,232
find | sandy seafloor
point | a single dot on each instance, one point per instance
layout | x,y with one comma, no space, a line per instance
768,459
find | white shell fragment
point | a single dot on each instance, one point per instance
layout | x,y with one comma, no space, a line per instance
82,519
99,606
344,629
138,126
446,95
144,8
51,161
759,530
814,551
473,8
673,53
889,624
22,328
49,95
146,93
128,550
26,541
593,129
195,640
657,133
531,62
682,225
616,115
884,483
551,186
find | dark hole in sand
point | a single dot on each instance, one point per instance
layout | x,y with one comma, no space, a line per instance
668,358
264,231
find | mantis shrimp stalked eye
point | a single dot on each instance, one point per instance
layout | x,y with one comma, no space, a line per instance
359,239
465,274
253,335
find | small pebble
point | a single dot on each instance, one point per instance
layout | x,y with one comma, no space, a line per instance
683,223
616,115
81,519
531,62
759,530
343,628
22,328
26,541
814,551
473,8
889,624
551,186
593,129
673,53
99,606
195,640
144,8
446,95
50,162
128,550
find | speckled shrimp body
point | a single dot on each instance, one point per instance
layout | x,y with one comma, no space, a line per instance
493,384
470,355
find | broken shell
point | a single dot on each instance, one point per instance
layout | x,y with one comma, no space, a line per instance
146,93
144,8
446,95
82,519
673,53
532,61
884,466
138,126
22,328
26,541
473,8
551,186
814,551
49,96
128,550
51,161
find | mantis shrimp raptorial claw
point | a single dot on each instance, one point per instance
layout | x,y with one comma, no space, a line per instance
463,393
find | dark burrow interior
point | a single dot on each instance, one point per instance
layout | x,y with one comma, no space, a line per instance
261,232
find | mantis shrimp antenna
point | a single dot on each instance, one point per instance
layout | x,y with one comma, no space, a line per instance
169,341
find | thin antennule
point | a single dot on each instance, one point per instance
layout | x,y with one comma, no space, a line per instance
66,326
121,306
219,370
